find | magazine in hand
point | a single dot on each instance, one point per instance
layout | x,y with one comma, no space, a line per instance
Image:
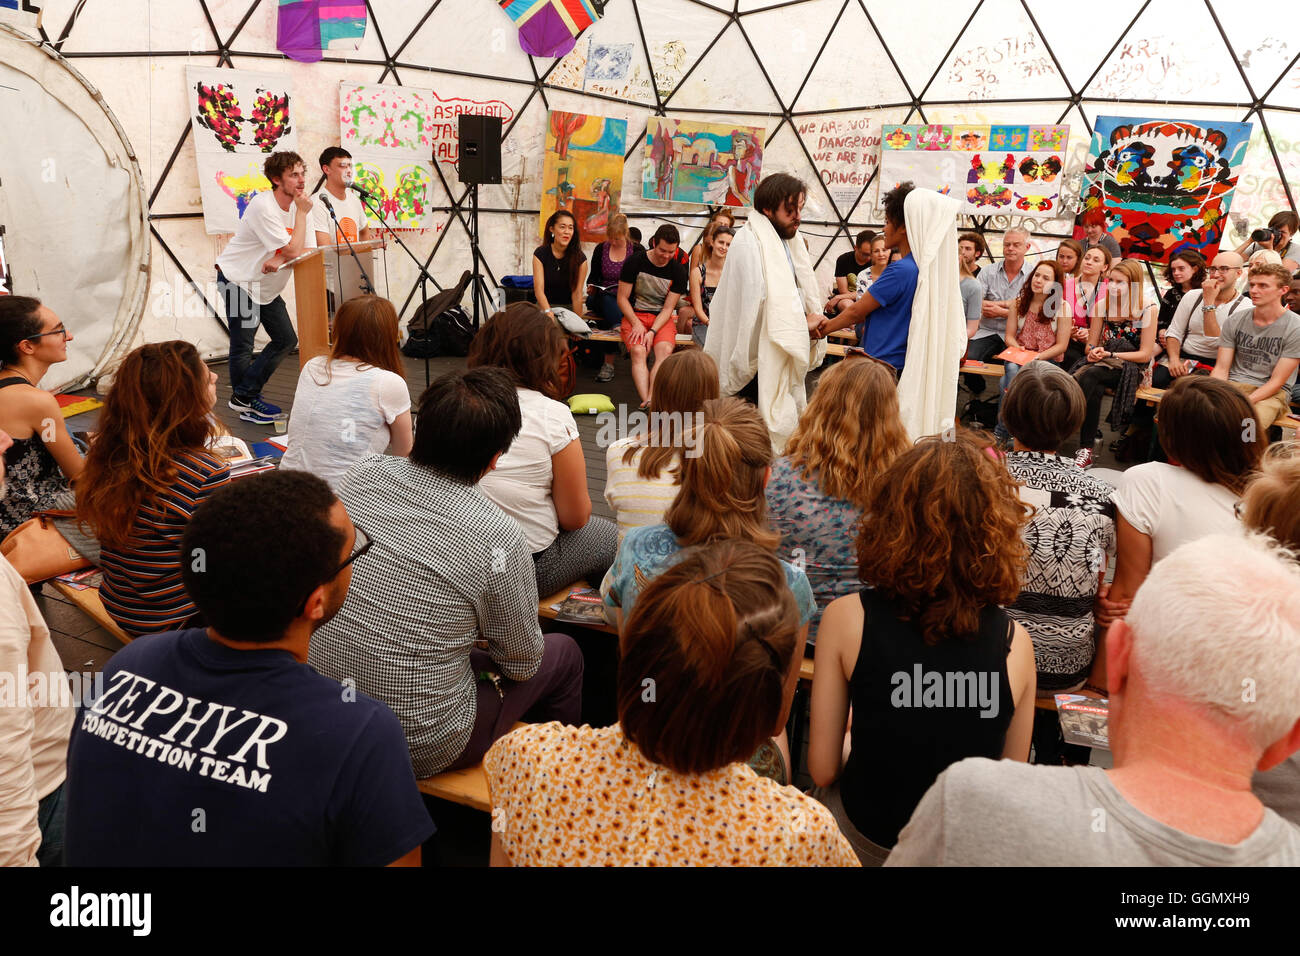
1084,720
582,606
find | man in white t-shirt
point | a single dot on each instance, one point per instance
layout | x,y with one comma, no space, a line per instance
274,229
1204,691
348,223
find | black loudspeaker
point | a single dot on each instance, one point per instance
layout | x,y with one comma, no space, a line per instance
480,149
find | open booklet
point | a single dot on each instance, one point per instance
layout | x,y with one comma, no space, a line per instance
1084,720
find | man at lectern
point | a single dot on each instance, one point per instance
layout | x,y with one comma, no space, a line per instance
273,230
349,222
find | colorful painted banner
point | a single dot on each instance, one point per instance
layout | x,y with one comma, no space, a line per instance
238,117
550,27
714,164
305,29
582,170
1164,185
1004,170
408,121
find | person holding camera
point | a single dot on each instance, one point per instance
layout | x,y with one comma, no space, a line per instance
1278,235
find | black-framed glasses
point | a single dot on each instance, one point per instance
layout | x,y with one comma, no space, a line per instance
360,546
61,330
1222,268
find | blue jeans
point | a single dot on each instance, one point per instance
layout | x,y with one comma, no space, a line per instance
248,374
50,817
605,305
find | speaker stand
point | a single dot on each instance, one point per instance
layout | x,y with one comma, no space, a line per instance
477,281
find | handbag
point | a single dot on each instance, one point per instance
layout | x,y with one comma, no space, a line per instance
38,552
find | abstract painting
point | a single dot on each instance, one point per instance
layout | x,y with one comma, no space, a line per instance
305,29
238,118
1164,185
401,189
1009,170
716,164
550,27
582,170
408,121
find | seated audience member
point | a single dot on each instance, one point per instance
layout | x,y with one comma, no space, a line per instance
649,288
1083,293
1185,273
607,261
309,774
879,263
1121,342
939,553
1071,529
686,310
1096,236
148,469
1293,303
1185,739
1039,322
970,246
448,568
42,461
721,629
1001,284
634,236
1282,228
642,469
886,308
972,297
705,277
1271,505
846,438
721,496
847,268
1259,347
353,402
33,730
541,480
1192,339
560,266
1069,256
1208,429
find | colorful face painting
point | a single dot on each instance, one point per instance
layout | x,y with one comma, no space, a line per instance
966,161
1165,186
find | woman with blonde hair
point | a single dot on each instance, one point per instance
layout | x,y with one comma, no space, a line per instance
941,554
353,402
642,470
607,261
848,435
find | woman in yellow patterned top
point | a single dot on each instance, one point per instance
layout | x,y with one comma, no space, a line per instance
710,660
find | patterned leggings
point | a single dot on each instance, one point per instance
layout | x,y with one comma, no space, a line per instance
584,554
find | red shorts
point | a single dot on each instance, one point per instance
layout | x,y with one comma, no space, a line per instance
667,333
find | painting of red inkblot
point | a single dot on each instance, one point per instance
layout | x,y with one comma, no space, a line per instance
270,119
218,111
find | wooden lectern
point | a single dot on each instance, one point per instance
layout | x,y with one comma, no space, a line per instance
309,295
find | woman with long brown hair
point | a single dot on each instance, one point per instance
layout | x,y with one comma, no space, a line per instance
147,471
934,668
642,469
848,435
353,402
541,481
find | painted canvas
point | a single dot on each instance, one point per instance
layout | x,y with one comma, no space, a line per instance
716,164
582,170
1006,170
238,118
306,29
402,189
549,27
1164,185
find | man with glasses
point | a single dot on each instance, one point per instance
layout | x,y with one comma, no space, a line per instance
220,746
441,624
1192,341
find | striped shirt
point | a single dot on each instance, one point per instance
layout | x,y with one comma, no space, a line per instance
447,568
142,589
636,501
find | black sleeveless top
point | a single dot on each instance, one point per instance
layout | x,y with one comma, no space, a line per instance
917,709
33,478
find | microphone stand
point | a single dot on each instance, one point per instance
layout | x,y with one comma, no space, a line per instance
424,273
338,272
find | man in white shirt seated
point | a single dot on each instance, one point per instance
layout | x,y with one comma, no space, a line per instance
1204,691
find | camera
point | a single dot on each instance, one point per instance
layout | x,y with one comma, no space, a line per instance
1266,235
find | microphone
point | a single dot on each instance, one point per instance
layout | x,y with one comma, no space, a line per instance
365,193
326,200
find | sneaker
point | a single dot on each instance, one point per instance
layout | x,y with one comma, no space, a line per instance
606,374
1083,457
258,412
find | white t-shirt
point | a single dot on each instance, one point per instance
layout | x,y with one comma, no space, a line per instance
520,485
1172,506
636,501
335,425
352,219
264,231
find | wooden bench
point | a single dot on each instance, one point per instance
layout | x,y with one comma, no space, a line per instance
986,369
1152,396
683,341
88,600
467,787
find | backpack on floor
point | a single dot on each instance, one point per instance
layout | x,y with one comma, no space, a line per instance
441,326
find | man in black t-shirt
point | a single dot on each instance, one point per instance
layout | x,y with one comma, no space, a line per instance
221,746
847,268
648,290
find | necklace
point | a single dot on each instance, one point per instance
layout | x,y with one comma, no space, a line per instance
19,372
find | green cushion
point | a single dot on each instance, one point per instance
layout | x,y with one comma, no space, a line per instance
590,404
